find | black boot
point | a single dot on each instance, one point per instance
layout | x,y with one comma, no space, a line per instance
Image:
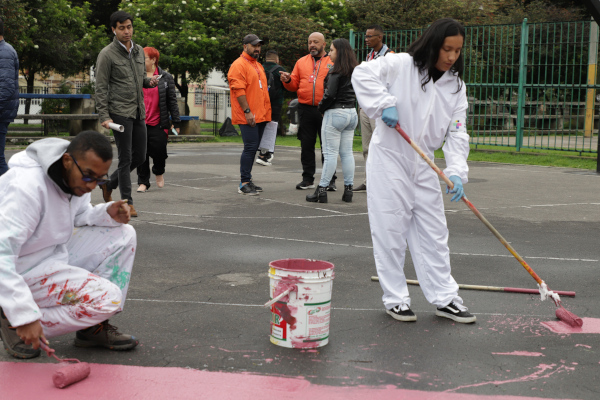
347,196
319,196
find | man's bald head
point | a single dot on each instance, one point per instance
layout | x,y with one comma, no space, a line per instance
316,44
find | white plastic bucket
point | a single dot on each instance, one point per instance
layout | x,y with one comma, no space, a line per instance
300,319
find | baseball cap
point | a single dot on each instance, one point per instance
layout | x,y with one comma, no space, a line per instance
252,39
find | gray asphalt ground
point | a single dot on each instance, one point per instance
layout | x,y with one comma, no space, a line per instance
201,275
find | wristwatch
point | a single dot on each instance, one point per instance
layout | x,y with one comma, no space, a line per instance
246,111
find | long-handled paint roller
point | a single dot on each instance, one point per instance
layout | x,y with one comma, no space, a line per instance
70,373
491,288
561,313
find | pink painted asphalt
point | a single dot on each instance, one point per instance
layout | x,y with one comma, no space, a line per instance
115,382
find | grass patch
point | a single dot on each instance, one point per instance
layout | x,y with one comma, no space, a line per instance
507,155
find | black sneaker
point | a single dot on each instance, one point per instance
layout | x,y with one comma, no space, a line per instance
332,187
262,160
456,313
405,316
247,189
269,156
361,188
257,188
305,185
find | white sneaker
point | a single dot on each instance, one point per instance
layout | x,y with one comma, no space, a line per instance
262,162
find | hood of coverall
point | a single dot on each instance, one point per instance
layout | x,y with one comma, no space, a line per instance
42,153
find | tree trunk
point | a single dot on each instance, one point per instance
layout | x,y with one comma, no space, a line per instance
183,90
30,79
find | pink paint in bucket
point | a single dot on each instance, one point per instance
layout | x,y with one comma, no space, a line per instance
300,302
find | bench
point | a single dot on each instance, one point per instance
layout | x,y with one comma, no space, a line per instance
82,115
189,126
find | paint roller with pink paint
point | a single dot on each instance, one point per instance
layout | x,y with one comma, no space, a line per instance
69,373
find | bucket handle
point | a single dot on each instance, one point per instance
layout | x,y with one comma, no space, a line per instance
280,296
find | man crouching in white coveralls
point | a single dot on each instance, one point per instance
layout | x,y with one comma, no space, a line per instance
64,264
423,91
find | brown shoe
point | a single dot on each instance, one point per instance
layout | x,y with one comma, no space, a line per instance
13,343
105,335
106,193
132,211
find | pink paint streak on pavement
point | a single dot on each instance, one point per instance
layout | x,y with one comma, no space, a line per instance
590,325
520,353
116,382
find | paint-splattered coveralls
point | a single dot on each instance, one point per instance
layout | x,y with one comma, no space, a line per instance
62,261
404,196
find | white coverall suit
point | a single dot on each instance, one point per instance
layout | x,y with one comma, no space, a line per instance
404,196
62,261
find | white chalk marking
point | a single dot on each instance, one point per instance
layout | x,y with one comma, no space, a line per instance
528,206
212,303
352,245
262,218
261,236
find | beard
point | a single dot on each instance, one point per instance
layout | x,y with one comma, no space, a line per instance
315,52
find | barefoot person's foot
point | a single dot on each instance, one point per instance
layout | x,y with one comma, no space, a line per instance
160,181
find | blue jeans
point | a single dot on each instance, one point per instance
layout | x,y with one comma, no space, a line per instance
3,130
337,134
251,135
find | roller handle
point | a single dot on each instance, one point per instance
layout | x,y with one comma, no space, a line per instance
469,204
279,297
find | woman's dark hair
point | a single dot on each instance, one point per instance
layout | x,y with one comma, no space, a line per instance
426,49
345,60
120,17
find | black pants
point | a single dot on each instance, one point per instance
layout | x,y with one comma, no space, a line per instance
310,127
157,149
131,149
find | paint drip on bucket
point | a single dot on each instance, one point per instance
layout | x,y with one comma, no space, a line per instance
300,319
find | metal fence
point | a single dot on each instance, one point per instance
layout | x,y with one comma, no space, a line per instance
530,85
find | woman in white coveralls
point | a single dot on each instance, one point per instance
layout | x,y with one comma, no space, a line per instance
423,91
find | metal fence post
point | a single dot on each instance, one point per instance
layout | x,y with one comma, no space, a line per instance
351,39
522,80
591,80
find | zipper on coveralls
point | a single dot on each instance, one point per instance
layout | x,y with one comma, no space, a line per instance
420,136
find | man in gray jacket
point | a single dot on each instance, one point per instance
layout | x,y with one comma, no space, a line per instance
9,91
120,76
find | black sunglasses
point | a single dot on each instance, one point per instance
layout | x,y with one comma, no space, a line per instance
87,178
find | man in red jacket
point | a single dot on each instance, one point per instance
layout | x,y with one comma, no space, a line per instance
307,80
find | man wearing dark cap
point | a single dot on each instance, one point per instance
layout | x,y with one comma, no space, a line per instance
250,106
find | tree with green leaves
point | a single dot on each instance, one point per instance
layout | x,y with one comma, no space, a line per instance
57,38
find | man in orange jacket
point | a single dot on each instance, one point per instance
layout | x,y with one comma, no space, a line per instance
250,107
307,79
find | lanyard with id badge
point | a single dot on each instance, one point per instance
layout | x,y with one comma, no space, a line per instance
257,72
316,68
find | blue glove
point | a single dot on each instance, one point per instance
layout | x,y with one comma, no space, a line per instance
390,116
458,188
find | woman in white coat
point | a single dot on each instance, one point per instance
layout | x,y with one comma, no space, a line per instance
423,91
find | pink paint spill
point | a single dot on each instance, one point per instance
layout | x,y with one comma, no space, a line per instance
521,353
30,380
544,371
590,325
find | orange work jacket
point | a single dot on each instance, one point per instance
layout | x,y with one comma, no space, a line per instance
247,77
310,90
